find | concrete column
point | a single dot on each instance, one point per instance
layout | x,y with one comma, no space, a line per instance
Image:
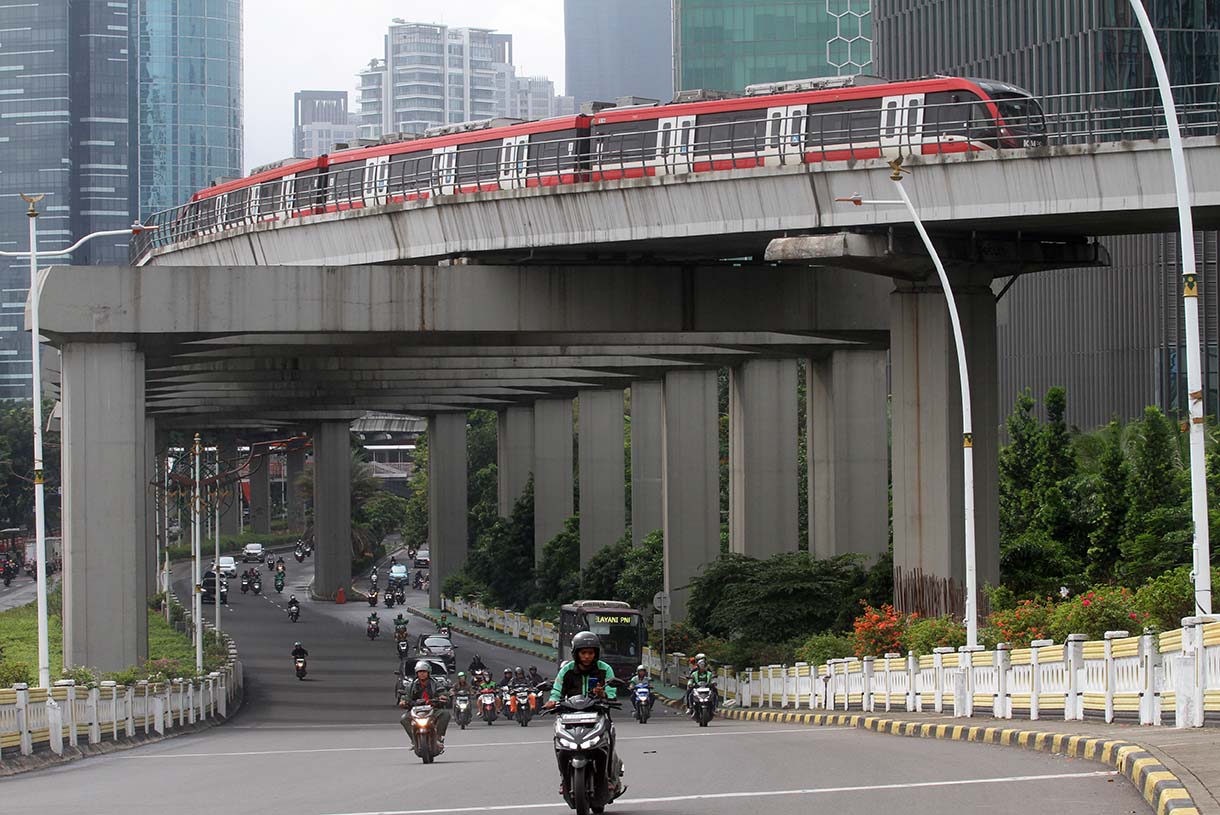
230,517
552,469
260,496
105,474
600,442
293,467
150,484
332,501
690,480
514,454
762,457
848,444
927,443
447,508
646,432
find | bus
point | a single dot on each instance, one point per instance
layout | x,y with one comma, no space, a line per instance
620,627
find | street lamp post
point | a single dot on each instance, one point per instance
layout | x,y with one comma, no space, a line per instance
197,552
972,621
1190,302
40,526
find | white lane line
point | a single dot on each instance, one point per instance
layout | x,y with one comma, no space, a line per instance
1012,779
498,744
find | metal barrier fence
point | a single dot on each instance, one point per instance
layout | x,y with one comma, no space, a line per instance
811,137
68,714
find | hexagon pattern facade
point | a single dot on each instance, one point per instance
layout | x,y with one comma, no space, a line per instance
850,51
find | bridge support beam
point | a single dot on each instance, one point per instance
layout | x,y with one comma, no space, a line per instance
552,469
690,480
293,467
646,454
929,553
332,502
848,454
260,496
603,506
514,454
446,498
105,478
762,457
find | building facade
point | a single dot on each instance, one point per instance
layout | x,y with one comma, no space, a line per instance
1113,338
186,89
320,120
624,48
729,44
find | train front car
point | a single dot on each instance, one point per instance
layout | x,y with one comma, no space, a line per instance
1019,118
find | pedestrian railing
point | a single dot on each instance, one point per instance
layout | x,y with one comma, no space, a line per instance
69,714
506,622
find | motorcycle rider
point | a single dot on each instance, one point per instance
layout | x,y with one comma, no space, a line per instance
400,627
640,678
424,690
476,664
507,679
293,602
374,620
534,677
279,563
586,675
298,651
463,684
519,676
701,673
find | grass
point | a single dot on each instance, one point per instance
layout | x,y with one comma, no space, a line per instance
19,639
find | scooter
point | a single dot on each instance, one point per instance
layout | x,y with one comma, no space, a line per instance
424,738
256,585
245,584
300,664
373,597
521,704
487,706
279,582
584,745
373,630
294,613
642,700
400,597
461,710
270,561
388,600
299,554
703,703
404,649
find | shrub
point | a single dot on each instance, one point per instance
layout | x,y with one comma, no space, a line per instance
13,672
163,670
127,676
878,631
823,647
84,677
461,585
1030,620
679,638
1093,613
924,634
543,611
1164,600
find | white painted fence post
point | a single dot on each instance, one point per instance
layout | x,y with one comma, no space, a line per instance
1003,662
23,719
912,676
938,664
95,726
1035,677
69,713
55,726
866,698
1110,675
1073,658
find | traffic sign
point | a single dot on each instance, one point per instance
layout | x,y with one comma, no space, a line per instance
660,601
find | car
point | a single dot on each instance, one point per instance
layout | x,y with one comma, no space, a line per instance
423,559
252,552
208,589
434,646
228,566
406,672
399,576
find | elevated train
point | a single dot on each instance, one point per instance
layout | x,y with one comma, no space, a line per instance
807,121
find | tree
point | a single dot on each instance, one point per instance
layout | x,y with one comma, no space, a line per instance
17,467
1157,528
364,486
558,575
643,572
1054,476
415,521
503,560
1110,507
599,578
1018,460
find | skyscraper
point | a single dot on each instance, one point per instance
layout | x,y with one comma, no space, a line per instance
728,44
624,48
187,91
320,120
1111,337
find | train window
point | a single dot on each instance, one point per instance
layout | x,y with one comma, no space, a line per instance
774,129
346,181
723,133
836,123
409,172
625,141
890,118
666,138
270,197
478,162
947,113
551,152
914,117
235,205
311,188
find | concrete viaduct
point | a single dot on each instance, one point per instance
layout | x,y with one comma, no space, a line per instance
526,301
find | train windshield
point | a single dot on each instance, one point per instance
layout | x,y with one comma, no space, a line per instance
619,633
1022,115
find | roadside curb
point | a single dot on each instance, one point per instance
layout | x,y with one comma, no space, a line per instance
512,646
1161,788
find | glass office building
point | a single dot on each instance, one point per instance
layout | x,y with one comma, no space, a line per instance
624,48
1112,337
728,44
187,89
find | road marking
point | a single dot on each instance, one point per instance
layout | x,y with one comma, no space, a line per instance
759,794
498,744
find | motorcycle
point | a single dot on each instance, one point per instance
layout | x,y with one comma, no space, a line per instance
256,585
404,649
309,550
245,584
388,600
461,709
642,699
487,706
424,740
279,582
294,613
400,597
224,593
703,702
373,630
373,597
270,561
300,664
299,554
522,704
584,744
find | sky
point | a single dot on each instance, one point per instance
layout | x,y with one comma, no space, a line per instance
293,45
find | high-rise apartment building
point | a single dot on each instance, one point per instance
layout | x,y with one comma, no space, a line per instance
728,44
1113,337
320,120
624,48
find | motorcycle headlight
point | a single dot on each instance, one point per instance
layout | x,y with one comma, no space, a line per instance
589,744
421,723
565,743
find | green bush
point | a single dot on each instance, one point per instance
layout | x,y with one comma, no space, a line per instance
679,638
1164,600
547,612
127,676
462,585
1093,613
820,648
84,677
1029,620
13,672
925,633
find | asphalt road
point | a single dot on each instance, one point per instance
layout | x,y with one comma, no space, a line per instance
331,745
21,591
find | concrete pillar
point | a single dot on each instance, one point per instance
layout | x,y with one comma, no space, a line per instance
646,432
105,473
927,442
552,469
600,443
446,498
230,516
293,467
848,444
260,496
332,501
762,457
514,454
690,480
152,494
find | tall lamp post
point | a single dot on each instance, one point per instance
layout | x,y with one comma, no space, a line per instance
1190,302
40,518
972,621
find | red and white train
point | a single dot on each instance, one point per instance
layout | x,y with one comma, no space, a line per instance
805,121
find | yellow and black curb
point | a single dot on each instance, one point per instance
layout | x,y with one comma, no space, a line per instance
1163,790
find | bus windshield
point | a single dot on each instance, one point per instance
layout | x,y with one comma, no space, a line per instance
619,632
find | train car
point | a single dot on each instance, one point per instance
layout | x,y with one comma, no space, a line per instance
832,119
287,188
